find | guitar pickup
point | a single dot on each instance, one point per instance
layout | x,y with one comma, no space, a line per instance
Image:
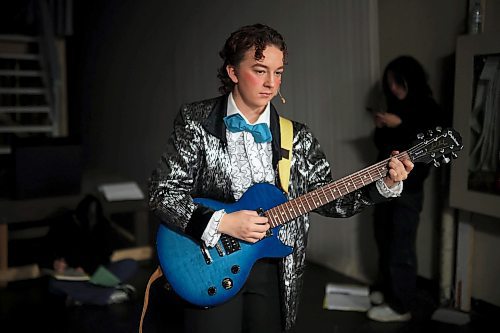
261,212
205,253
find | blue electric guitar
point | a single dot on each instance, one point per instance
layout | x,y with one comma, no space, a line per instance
210,276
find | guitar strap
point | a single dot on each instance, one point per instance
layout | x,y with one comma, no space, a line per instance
156,274
286,129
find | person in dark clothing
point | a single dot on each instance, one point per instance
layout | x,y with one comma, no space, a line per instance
411,109
77,253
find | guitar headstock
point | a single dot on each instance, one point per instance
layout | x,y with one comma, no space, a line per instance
436,145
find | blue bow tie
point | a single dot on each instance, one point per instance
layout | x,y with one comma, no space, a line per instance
235,123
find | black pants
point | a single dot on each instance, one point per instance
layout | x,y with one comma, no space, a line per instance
395,226
255,309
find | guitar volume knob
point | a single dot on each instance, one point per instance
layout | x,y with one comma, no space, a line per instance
227,283
211,291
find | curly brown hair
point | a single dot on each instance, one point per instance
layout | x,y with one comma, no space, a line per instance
256,35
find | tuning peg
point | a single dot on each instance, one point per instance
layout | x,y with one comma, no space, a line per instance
446,159
430,133
454,155
439,129
420,136
436,164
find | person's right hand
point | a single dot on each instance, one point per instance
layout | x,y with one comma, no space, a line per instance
378,119
386,119
246,225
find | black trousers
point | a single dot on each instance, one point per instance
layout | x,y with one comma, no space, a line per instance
395,227
255,309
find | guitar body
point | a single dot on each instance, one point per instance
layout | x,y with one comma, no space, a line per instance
207,284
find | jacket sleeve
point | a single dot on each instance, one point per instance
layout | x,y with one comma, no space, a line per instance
171,183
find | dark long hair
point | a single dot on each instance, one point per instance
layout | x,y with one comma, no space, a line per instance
407,72
239,42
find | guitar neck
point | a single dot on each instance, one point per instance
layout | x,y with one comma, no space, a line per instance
321,196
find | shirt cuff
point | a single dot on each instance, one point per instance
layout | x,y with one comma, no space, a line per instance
387,192
211,234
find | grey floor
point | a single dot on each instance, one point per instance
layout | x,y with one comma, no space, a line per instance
26,306
313,318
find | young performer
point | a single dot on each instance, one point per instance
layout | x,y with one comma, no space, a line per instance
221,147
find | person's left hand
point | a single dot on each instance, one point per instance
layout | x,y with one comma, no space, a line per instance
398,170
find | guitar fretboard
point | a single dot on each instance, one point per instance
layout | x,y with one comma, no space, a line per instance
321,196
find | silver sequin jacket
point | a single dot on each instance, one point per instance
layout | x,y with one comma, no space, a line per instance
195,164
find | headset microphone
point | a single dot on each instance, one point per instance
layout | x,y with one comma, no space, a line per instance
283,100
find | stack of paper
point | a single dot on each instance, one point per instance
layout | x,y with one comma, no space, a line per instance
69,274
346,297
121,191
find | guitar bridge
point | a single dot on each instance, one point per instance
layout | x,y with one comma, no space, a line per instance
219,250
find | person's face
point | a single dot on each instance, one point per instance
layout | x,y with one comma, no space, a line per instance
400,90
256,81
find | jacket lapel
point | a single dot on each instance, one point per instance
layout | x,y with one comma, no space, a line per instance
214,123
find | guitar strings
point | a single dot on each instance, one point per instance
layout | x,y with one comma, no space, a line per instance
314,199
351,183
286,211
